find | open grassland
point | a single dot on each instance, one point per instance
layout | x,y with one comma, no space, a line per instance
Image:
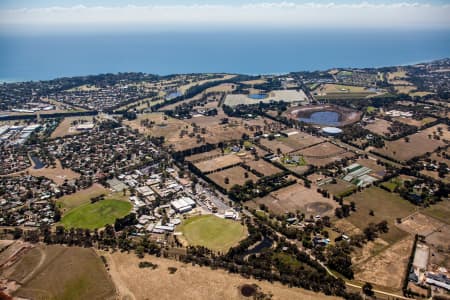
440,211
57,272
96,215
212,232
235,175
66,128
295,197
189,282
418,144
81,197
386,206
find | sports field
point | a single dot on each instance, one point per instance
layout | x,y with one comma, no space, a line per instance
96,215
212,232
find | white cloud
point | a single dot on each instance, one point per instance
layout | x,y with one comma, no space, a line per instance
364,14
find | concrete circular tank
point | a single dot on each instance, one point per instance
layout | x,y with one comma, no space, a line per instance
331,130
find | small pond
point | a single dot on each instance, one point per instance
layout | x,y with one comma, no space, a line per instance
257,96
265,243
330,118
38,164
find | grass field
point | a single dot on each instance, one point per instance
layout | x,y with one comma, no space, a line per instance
212,232
386,206
81,197
58,272
440,211
342,91
96,215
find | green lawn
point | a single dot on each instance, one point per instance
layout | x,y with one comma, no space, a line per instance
212,232
96,215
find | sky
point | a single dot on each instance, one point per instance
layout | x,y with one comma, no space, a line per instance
158,15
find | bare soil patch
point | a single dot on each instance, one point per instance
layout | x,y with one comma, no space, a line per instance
324,153
296,197
57,174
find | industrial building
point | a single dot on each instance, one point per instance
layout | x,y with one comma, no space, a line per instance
182,205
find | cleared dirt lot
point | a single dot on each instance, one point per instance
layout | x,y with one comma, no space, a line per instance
218,163
419,144
296,197
388,267
188,282
235,176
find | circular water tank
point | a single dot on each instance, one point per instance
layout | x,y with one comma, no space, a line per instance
331,130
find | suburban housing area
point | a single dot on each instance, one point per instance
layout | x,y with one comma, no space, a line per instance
308,185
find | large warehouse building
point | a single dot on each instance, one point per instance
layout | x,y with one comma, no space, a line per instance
182,205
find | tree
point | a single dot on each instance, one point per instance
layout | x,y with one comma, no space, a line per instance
367,289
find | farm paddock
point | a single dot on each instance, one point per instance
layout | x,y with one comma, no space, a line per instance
235,175
293,198
263,167
385,205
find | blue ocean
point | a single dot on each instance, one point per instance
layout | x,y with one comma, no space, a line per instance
39,57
